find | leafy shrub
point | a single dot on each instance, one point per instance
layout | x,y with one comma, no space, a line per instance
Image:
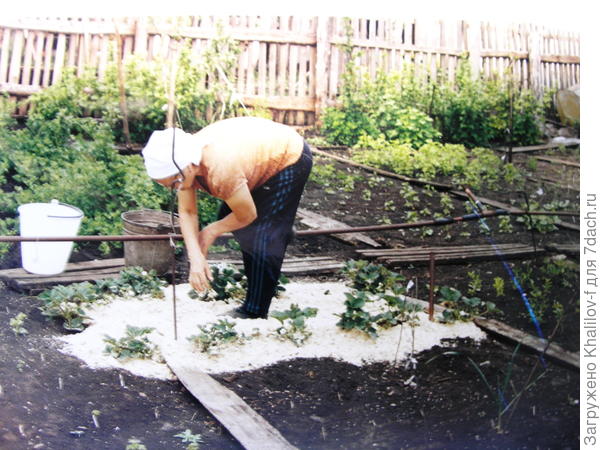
404,106
355,317
370,112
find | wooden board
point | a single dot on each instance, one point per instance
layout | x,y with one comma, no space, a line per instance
23,281
249,428
553,350
534,148
541,345
298,266
450,254
317,221
557,161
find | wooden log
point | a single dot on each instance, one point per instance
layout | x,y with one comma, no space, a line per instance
539,345
557,161
535,148
244,424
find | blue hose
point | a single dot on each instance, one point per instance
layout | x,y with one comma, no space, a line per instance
513,277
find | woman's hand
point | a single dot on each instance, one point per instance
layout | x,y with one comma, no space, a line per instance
200,274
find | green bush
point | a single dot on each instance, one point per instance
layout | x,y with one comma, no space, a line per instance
415,107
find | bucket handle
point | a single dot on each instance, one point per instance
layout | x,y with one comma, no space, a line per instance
56,202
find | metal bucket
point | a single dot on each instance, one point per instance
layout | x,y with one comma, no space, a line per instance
151,255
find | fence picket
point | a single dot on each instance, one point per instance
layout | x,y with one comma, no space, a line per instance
292,62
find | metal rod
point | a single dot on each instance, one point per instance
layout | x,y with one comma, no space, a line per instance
431,283
174,293
322,231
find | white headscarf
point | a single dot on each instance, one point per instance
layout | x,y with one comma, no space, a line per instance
158,152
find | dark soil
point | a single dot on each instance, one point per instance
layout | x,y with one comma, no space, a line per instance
449,399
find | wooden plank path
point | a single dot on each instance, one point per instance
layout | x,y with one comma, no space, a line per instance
248,427
22,281
449,254
317,221
297,266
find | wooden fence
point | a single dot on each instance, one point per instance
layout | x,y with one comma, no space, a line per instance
290,64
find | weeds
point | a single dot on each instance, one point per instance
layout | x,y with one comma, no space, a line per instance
135,444
193,440
499,391
16,324
499,286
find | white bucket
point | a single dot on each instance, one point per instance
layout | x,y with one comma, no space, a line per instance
52,219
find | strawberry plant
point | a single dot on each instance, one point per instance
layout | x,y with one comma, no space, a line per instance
230,283
293,323
355,317
213,336
365,276
462,308
134,345
69,302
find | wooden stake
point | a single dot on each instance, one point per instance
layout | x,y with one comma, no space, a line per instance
121,78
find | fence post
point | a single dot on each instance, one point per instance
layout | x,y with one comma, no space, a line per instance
535,61
473,42
141,37
323,52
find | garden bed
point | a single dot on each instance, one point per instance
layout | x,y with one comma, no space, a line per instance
442,401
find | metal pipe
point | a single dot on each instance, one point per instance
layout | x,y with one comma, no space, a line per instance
322,231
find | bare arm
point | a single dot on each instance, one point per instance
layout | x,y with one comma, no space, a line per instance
243,213
198,242
200,274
